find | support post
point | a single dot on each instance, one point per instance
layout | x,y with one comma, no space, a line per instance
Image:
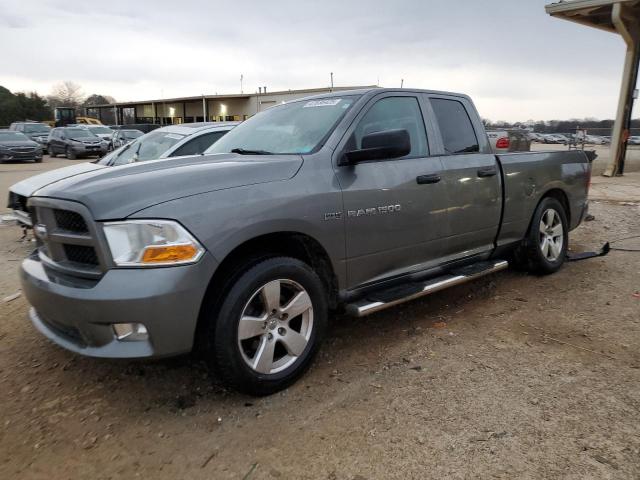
630,33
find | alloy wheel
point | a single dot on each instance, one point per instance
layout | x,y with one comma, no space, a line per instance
275,326
551,235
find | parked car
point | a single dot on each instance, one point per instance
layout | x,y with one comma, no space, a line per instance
105,133
555,138
122,137
635,140
16,145
594,140
353,201
536,137
36,131
512,140
171,141
499,140
165,143
74,142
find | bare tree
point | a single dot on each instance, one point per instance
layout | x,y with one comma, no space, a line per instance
66,94
97,99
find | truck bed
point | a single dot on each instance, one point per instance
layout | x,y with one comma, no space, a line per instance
527,176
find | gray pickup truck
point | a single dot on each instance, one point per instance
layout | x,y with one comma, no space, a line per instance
352,201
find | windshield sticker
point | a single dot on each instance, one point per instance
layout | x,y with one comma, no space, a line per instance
174,136
322,103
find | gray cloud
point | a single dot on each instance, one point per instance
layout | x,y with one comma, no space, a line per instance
515,61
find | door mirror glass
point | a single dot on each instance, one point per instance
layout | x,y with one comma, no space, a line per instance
380,146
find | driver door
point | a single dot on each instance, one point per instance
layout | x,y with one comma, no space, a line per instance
394,209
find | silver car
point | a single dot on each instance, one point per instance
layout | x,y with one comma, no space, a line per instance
122,137
171,141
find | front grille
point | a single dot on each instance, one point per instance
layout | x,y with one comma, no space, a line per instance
81,254
23,149
68,241
70,221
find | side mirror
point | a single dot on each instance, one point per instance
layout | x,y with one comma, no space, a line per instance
380,146
62,137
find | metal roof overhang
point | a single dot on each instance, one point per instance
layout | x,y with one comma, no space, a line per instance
593,13
621,17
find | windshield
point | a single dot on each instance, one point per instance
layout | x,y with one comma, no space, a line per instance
293,128
100,130
37,128
147,147
12,137
78,133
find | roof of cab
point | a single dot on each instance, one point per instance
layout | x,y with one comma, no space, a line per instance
377,90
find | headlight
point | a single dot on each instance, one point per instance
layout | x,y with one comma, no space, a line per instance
150,243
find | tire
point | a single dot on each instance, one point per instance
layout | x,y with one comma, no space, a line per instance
269,351
38,160
544,250
52,153
70,154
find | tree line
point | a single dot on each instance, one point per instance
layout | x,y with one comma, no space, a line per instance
21,106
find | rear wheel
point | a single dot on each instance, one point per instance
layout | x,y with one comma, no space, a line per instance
545,248
70,154
268,327
52,152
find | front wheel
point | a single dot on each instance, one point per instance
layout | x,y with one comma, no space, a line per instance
545,248
268,327
70,154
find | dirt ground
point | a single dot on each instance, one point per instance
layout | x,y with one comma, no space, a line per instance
512,376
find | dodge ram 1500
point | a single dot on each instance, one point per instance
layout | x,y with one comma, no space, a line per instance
352,201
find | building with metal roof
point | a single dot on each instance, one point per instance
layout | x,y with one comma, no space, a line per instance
210,108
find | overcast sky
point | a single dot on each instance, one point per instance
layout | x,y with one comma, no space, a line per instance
513,59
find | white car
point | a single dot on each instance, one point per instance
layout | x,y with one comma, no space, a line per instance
122,137
105,133
594,140
555,138
171,141
635,140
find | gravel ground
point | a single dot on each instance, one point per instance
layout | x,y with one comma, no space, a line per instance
512,376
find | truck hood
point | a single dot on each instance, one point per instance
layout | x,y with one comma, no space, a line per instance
117,192
29,186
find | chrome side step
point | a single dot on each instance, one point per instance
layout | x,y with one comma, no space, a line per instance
371,304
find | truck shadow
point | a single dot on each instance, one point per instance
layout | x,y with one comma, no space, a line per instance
183,385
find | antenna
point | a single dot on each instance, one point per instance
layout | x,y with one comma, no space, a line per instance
331,81
241,78
401,82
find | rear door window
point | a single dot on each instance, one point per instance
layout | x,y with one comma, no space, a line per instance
458,135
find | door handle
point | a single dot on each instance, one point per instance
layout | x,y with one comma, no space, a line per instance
426,179
487,172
